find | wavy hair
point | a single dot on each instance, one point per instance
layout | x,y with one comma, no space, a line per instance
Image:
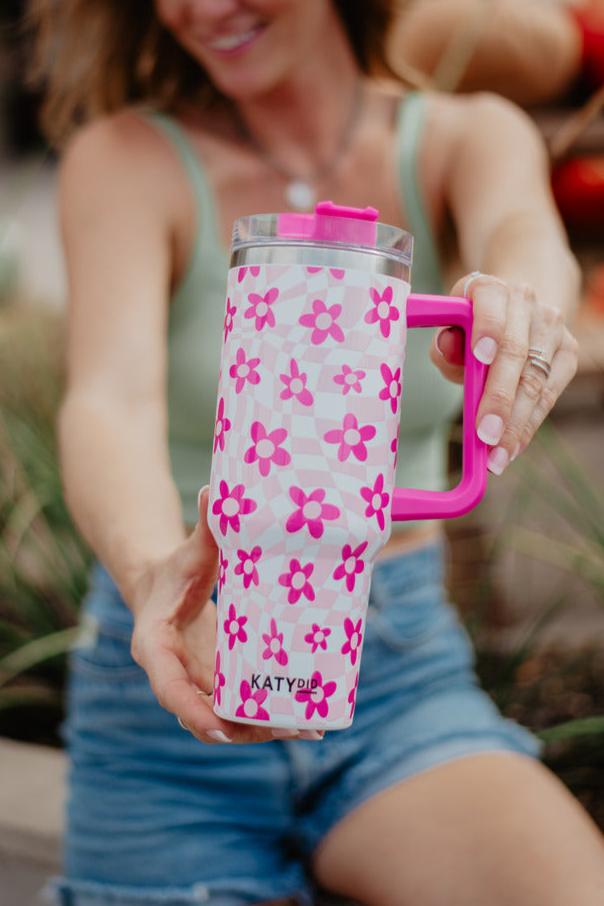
92,57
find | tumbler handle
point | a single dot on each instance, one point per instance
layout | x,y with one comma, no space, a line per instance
414,503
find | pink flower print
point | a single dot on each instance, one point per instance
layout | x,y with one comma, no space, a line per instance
260,308
352,695
352,564
295,385
266,448
233,627
247,566
311,511
377,500
351,438
392,385
274,645
316,697
336,272
323,322
231,505
383,310
354,637
244,370
254,271
219,680
349,379
394,448
251,703
317,637
221,426
228,318
222,570
297,580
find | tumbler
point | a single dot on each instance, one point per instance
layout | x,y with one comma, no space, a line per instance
302,492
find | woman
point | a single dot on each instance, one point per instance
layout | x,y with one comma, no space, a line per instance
259,94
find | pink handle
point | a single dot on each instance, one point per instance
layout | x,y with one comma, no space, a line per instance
412,503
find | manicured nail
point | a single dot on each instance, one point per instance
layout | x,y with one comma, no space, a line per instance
312,734
490,429
205,488
438,336
282,733
515,453
497,460
218,736
486,350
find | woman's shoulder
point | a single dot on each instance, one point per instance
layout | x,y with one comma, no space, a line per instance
118,141
461,116
119,159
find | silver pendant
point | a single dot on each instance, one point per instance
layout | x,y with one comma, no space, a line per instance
300,195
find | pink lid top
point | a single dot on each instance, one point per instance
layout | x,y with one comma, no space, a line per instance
331,223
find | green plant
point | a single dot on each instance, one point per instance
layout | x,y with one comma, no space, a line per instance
557,691
43,562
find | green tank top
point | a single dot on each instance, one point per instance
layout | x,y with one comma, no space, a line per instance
195,332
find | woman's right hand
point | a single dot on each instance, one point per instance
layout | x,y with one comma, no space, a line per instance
175,634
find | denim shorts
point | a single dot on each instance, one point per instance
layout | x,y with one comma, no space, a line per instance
156,817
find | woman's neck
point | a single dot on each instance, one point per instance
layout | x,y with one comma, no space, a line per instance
300,121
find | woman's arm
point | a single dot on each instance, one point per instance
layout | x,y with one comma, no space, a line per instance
113,421
117,199
508,228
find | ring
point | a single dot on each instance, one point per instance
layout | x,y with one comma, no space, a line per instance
469,280
537,359
184,726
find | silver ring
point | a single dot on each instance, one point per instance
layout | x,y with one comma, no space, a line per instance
540,362
181,724
539,353
468,281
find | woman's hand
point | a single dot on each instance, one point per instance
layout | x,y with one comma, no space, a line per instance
175,633
508,321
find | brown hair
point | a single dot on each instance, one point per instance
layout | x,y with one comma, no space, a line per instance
95,56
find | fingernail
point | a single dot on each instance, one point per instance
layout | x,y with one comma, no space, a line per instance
438,336
497,460
515,453
218,736
490,429
485,350
312,734
282,733
205,488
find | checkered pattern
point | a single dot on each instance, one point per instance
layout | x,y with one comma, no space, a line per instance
250,510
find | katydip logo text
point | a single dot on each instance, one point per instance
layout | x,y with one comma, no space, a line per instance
276,683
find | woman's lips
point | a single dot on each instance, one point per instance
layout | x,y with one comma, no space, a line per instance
229,45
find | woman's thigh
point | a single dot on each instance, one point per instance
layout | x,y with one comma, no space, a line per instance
494,828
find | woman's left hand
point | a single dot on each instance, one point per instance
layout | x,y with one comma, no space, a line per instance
508,321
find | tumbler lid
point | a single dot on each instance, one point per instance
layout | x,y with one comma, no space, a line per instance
328,225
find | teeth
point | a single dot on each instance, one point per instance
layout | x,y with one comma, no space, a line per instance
232,41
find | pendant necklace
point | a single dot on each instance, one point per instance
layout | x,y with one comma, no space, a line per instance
300,192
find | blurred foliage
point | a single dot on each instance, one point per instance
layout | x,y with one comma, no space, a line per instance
43,562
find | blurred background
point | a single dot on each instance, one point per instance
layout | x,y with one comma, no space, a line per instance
526,568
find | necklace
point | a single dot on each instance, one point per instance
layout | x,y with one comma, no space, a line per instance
300,192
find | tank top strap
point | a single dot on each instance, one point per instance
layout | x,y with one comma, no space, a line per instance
426,273
205,209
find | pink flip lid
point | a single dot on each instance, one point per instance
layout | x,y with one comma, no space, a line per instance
331,223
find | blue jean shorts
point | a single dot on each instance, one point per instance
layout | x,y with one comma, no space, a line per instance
156,817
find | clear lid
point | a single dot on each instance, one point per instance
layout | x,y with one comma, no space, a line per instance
329,225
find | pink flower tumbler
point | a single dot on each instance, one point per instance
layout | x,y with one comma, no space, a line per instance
302,492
